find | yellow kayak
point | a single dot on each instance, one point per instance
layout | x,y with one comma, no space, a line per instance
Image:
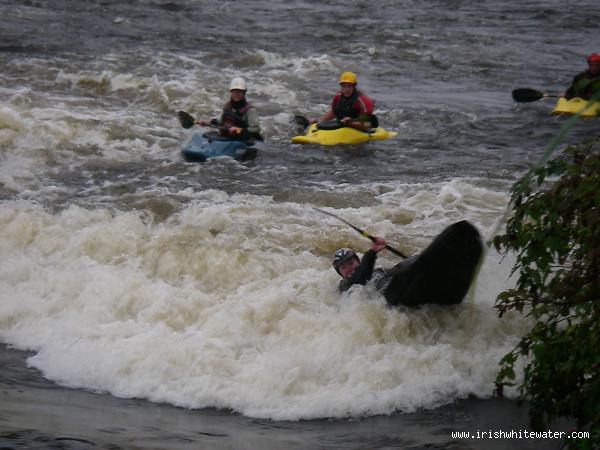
343,135
573,106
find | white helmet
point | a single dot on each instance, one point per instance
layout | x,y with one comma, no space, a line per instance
238,83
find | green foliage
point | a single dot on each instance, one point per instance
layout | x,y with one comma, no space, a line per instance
555,233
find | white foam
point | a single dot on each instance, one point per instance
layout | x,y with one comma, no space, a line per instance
231,303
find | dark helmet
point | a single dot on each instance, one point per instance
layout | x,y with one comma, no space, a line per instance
341,256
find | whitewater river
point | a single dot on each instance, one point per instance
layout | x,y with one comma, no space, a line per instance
126,271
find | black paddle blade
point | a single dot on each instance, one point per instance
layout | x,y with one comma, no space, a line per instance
302,121
186,120
526,95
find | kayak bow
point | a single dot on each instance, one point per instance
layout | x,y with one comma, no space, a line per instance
573,106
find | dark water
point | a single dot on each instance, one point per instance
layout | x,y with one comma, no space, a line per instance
95,196
441,75
37,415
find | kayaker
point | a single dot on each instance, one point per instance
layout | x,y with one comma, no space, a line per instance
441,274
350,106
239,118
586,83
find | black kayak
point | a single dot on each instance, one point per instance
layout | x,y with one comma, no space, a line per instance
441,274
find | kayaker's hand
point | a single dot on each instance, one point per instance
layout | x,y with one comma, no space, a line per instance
346,120
234,131
202,123
378,244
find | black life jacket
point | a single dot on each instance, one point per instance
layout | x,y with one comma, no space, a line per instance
344,108
234,114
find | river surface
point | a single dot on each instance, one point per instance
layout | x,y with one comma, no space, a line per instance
125,270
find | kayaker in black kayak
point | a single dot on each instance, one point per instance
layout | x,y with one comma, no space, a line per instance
441,274
239,119
586,83
350,106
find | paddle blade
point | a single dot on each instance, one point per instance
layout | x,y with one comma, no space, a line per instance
186,120
302,121
526,95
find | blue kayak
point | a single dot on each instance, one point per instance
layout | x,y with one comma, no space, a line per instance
202,146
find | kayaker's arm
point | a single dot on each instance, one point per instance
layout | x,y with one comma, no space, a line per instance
570,92
363,272
329,115
363,123
253,129
357,124
252,120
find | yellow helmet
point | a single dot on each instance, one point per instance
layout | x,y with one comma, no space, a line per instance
348,77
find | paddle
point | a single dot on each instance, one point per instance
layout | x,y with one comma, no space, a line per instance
302,121
526,95
364,233
187,121
332,124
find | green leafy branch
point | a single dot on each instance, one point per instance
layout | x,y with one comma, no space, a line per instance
555,233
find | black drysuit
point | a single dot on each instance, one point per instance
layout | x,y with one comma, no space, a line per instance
441,274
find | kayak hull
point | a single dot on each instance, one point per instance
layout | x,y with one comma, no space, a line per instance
202,146
573,106
341,136
441,275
